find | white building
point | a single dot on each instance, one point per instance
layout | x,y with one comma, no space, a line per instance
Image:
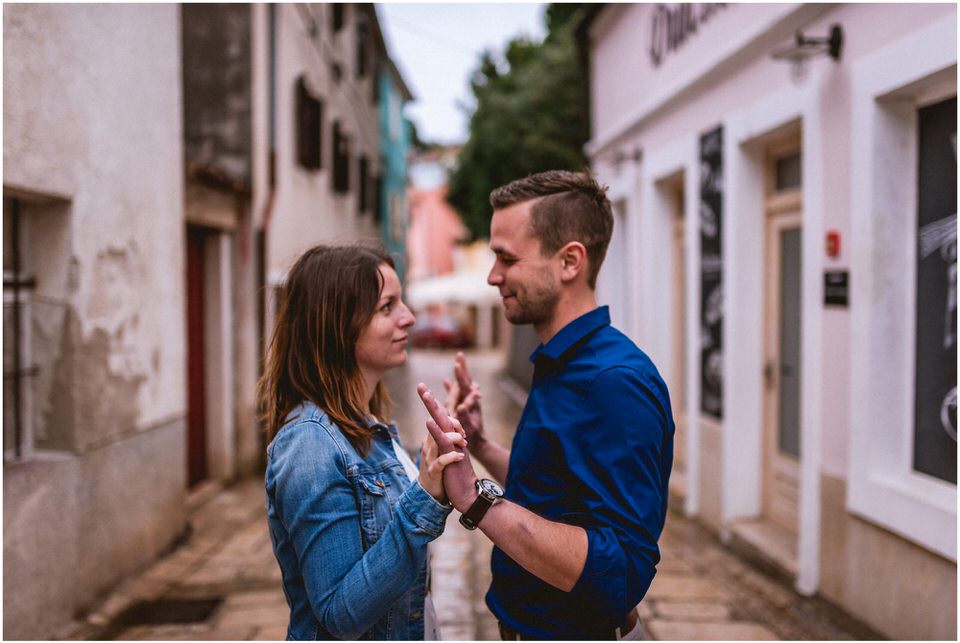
94,395
785,250
326,55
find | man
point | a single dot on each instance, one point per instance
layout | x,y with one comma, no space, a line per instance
586,480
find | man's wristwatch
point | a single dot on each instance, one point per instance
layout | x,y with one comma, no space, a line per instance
490,494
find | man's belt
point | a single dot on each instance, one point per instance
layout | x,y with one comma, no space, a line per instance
507,633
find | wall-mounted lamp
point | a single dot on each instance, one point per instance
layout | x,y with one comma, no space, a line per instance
804,48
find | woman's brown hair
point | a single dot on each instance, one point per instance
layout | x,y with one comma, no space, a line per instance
330,295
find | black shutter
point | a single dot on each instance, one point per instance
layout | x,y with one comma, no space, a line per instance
363,36
363,182
338,16
341,160
309,121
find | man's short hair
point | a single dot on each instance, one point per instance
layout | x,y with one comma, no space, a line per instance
570,206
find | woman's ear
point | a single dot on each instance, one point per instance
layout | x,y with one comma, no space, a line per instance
573,257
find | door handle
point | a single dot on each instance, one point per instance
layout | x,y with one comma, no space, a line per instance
768,372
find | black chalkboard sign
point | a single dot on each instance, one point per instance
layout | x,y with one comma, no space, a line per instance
711,273
935,428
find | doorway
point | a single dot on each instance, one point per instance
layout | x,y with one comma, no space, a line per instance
196,389
782,333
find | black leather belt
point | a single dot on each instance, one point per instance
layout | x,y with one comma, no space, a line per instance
507,633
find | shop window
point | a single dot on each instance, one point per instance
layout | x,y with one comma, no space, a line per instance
902,467
309,127
341,160
935,406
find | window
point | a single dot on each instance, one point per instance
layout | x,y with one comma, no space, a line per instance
309,127
338,16
363,43
378,207
935,390
341,160
362,185
18,370
888,124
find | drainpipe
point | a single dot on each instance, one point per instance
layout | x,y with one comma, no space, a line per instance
267,212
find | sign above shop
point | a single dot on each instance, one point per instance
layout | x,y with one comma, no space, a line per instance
672,24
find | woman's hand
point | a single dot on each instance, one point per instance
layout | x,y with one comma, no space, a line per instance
432,463
459,478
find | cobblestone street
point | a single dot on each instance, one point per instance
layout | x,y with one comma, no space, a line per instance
222,582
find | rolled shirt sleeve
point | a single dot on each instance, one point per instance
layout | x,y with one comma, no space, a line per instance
622,452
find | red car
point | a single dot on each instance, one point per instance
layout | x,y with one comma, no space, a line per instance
439,331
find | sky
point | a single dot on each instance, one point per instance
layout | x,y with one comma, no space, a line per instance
437,46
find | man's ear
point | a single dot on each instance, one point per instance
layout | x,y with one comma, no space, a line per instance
573,258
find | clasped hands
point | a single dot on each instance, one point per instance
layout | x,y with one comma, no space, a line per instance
450,435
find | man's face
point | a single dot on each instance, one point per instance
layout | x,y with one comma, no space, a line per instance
528,282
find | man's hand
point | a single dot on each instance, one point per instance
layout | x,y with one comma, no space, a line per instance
459,478
463,403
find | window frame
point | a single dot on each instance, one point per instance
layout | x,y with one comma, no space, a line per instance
883,488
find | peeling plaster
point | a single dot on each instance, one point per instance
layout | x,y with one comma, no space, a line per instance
106,401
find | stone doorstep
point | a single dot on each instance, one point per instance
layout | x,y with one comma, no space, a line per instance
685,587
770,547
709,631
690,611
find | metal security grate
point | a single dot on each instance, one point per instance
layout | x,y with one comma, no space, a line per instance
17,367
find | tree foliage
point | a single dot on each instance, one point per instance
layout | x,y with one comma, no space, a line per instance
530,116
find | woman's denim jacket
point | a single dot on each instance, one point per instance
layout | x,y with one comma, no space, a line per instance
350,533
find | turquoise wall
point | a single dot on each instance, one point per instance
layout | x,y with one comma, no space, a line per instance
395,138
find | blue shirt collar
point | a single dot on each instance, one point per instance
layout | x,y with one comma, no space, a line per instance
572,333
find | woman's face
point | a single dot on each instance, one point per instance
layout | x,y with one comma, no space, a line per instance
382,344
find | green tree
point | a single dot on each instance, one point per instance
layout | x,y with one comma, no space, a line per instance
530,116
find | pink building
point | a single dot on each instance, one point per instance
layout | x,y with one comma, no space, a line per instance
435,229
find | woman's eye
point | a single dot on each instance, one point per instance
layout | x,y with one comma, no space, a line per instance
386,308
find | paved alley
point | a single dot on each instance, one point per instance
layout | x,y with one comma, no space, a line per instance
222,582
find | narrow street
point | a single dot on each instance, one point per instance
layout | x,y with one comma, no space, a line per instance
222,582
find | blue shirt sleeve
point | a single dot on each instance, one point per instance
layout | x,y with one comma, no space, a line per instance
621,453
349,589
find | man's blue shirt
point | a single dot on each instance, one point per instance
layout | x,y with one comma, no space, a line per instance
594,448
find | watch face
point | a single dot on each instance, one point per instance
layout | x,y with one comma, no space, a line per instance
491,487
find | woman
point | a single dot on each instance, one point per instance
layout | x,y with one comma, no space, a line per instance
349,514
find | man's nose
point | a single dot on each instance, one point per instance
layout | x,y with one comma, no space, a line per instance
494,278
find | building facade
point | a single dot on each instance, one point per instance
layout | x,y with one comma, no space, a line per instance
395,133
94,344
163,167
785,243
315,176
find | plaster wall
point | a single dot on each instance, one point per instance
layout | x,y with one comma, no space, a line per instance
905,591
93,146
306,211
